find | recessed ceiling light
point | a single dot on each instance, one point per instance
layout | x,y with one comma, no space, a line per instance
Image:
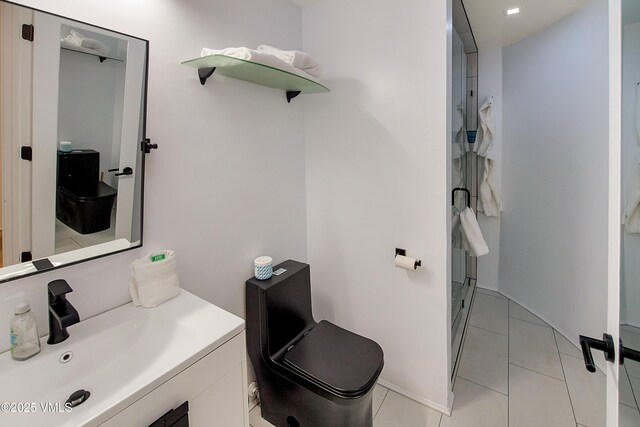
513,11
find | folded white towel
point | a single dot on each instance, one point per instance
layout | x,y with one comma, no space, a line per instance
301,60
254,56
153,282
78,40
236,52
472,239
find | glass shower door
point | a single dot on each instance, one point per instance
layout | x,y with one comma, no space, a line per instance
458,167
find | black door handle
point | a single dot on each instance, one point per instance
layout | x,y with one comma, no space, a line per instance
125,171
605,345
628,353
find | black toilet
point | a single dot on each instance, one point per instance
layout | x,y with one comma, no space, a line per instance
83,202
309,374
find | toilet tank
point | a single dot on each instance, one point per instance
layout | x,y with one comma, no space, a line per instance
279,308
78,167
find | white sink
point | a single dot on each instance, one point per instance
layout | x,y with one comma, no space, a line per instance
118,356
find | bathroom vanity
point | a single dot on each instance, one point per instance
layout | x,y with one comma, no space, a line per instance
138,364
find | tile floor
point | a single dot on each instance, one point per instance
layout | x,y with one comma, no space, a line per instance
515,371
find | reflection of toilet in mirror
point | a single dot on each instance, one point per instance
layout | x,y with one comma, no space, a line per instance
83,202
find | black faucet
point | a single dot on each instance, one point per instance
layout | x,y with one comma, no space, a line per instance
61,313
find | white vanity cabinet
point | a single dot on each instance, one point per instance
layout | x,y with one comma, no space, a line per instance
215,387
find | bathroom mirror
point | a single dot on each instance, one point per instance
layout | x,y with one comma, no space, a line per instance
72,118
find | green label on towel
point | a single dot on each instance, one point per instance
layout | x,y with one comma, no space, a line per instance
158,257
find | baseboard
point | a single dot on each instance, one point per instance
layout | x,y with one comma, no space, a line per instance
421,400
486,286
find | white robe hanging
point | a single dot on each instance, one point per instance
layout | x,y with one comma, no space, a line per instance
490,201
631,213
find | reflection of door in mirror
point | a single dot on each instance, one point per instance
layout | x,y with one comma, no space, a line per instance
95,97
83,86
15,123
630,180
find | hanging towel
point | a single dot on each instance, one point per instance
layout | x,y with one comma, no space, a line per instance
301,60
472,238
490,200
154,281
461,134
247,54
456,229
489,193
459,150
631,213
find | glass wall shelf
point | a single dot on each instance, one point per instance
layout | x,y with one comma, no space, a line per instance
255,72
91,52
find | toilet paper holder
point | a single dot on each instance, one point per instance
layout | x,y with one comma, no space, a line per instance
403,252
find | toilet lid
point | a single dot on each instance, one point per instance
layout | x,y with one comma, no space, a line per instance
340,360
93,191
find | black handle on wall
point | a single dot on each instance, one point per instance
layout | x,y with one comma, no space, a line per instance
605,345
147,146
628,353
453,196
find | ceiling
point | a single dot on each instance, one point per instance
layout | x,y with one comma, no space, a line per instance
493,28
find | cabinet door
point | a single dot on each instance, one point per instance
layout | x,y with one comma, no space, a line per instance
213,386
221,404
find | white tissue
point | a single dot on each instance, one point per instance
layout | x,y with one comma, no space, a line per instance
406,262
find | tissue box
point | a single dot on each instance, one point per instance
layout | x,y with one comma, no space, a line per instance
154,279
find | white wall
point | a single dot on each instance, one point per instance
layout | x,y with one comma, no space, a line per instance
227,183
553,237
630,291
490,84
377,179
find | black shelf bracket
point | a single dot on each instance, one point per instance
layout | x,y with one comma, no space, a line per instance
292,94
205,73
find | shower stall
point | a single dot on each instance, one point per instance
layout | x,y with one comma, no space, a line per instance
464,104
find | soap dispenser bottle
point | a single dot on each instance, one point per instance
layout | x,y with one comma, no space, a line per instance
25,340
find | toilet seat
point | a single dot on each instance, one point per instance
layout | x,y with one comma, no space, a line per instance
89,192
337,359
